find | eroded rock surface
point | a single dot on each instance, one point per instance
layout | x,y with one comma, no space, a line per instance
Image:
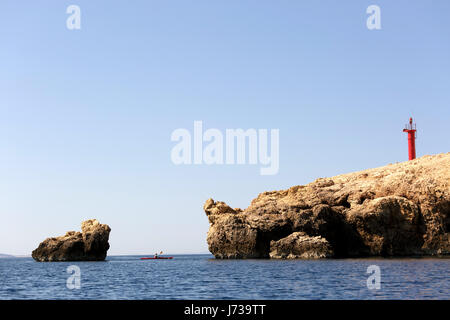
89,245
400,209
299,245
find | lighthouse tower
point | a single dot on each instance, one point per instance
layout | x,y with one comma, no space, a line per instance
412,135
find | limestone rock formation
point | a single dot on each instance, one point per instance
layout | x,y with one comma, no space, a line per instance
400,209
89,245
299,245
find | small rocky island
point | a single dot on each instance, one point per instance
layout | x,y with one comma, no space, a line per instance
91,244
400,209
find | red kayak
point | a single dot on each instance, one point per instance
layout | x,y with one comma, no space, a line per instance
156,258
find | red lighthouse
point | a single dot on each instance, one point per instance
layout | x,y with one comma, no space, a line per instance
411,129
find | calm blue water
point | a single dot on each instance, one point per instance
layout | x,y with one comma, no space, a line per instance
202,277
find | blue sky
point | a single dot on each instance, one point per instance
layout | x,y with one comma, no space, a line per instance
86,115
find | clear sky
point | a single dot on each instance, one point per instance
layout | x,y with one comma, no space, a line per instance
86,115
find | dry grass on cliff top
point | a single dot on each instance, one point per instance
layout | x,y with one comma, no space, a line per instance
424,177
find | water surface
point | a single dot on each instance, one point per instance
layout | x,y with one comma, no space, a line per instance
202,277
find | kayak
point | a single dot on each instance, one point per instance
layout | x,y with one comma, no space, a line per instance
153,258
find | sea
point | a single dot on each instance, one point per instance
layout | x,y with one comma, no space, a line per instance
203,277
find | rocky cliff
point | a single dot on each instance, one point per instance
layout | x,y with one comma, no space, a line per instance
89,245
400,209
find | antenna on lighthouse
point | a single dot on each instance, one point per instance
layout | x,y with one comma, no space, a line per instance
412,135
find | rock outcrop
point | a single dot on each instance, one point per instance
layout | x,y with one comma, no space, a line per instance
400,209
89,245
299,245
